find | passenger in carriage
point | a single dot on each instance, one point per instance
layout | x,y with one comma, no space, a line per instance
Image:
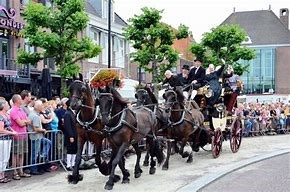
196,77
175,82
212,78
232,84
185,79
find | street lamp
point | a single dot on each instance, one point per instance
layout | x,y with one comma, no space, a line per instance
109,33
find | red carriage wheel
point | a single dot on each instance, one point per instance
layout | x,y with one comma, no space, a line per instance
216,143
236,135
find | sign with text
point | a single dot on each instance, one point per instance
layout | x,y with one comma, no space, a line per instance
9,22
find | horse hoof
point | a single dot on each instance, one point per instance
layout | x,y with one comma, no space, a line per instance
152,171
126,181
145,163
74,179
195,148
189,160
108,187
185,154
165,168
116,178
137,175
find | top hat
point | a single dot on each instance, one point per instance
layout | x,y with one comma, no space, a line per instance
198,59
185,67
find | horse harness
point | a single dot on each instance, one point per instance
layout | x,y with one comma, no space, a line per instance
87,125
182,119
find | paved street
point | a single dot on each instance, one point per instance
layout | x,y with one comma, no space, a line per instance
267,176
177,178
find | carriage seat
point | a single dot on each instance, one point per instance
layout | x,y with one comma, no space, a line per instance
202,90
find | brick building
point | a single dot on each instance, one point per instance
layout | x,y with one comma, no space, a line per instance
14,78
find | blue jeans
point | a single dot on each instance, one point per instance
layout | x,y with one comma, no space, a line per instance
248,126
35,149
46,144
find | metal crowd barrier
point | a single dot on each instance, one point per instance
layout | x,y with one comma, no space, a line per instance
22,150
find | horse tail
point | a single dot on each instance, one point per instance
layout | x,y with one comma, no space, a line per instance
156,150
105,168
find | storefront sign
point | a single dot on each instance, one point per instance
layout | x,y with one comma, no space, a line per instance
8,22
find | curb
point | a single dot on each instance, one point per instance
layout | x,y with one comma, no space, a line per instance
207,179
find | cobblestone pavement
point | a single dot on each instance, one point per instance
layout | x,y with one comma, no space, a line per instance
269,175
179,175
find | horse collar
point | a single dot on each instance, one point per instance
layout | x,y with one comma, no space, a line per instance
86,124
178,122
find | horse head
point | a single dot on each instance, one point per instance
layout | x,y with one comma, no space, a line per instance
80,94
170,97
106,100
142,97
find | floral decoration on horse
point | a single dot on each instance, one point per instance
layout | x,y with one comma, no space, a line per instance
107,77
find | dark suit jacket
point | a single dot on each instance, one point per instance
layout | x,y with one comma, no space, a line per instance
198,76
173,81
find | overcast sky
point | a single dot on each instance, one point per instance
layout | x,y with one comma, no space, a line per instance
199,15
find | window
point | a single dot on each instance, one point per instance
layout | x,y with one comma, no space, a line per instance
104,46
119,50
261,76
28,48
4,3
24,2
94,35
49,62
105,9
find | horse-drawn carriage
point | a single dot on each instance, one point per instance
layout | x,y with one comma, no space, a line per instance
220,125
107,116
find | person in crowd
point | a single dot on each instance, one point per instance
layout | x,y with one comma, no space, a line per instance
19,123
57,100
6,133
31,104
175,82
287,115
70,135
60,113
46,117
35,138
26,99
52,105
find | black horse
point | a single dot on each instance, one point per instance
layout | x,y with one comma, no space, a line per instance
89,126
125,127
145,97
183,127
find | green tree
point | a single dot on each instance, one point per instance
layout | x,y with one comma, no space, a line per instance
56,31
153,41
224,42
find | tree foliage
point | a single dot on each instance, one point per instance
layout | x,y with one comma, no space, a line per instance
57,32
224,42
152,41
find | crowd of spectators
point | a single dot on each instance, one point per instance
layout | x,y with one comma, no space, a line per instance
264,118
30,137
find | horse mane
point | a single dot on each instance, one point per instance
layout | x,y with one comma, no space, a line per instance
117,96
151,95
89,93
